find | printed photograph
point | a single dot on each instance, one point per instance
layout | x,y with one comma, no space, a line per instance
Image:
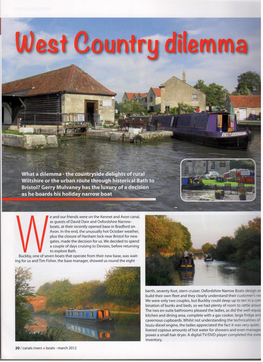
82,97
218,180
91,304
203,249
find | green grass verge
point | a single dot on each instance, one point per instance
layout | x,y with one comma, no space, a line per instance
12,132
213,182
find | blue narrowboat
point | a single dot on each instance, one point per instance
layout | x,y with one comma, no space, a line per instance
90,315
192,183
212,129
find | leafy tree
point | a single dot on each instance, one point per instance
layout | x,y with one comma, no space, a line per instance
164,235
131,106
42,290
206,247
248,82
247,239
84,293
182,108
225,248
22,291
60,294
124,283
155,235
215,94
247,164
158,270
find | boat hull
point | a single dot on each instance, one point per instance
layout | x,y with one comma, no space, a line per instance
208,259
218,129
193,187
90,321
233,141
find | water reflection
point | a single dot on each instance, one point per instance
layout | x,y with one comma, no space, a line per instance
82,331
216,273
96,332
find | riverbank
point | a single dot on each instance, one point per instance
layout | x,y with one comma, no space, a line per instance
32,140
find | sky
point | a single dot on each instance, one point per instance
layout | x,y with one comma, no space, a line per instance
209,227
133,72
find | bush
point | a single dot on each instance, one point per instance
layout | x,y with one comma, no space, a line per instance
158,270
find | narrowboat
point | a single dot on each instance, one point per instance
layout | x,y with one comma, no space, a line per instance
191,183
186,263
208,258
90,315
212,129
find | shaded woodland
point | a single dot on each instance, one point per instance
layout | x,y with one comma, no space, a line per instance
166,241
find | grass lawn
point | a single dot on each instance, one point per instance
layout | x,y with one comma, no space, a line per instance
214,182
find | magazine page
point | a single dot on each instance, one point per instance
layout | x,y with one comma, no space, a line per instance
131,174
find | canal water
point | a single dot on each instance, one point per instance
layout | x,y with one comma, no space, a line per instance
160,160
77,331
216,273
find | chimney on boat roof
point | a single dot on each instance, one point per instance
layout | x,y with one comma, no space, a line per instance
184,77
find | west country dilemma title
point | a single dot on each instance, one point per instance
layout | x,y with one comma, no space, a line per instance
178,43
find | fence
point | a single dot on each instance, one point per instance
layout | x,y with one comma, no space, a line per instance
56,119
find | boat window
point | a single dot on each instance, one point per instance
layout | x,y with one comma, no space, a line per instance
184,121
78,314
92,314
82,314
68,313
200,122
72,314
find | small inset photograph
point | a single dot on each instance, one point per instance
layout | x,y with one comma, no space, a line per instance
203,249
88,304
213,180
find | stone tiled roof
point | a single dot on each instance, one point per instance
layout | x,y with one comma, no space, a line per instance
70,79
251,101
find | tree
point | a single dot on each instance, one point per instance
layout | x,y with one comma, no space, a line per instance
225,249
206,247
42,290
248,82
247,239
215,94
60,294
84,293
164,235
124,283
22,291
130,106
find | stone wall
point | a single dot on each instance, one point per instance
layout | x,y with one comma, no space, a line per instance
174,91
75,103
29,141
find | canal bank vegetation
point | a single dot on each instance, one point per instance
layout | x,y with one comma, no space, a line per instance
166,241
23,316
243,249
120,292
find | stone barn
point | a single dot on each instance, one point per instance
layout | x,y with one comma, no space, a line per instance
51,97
